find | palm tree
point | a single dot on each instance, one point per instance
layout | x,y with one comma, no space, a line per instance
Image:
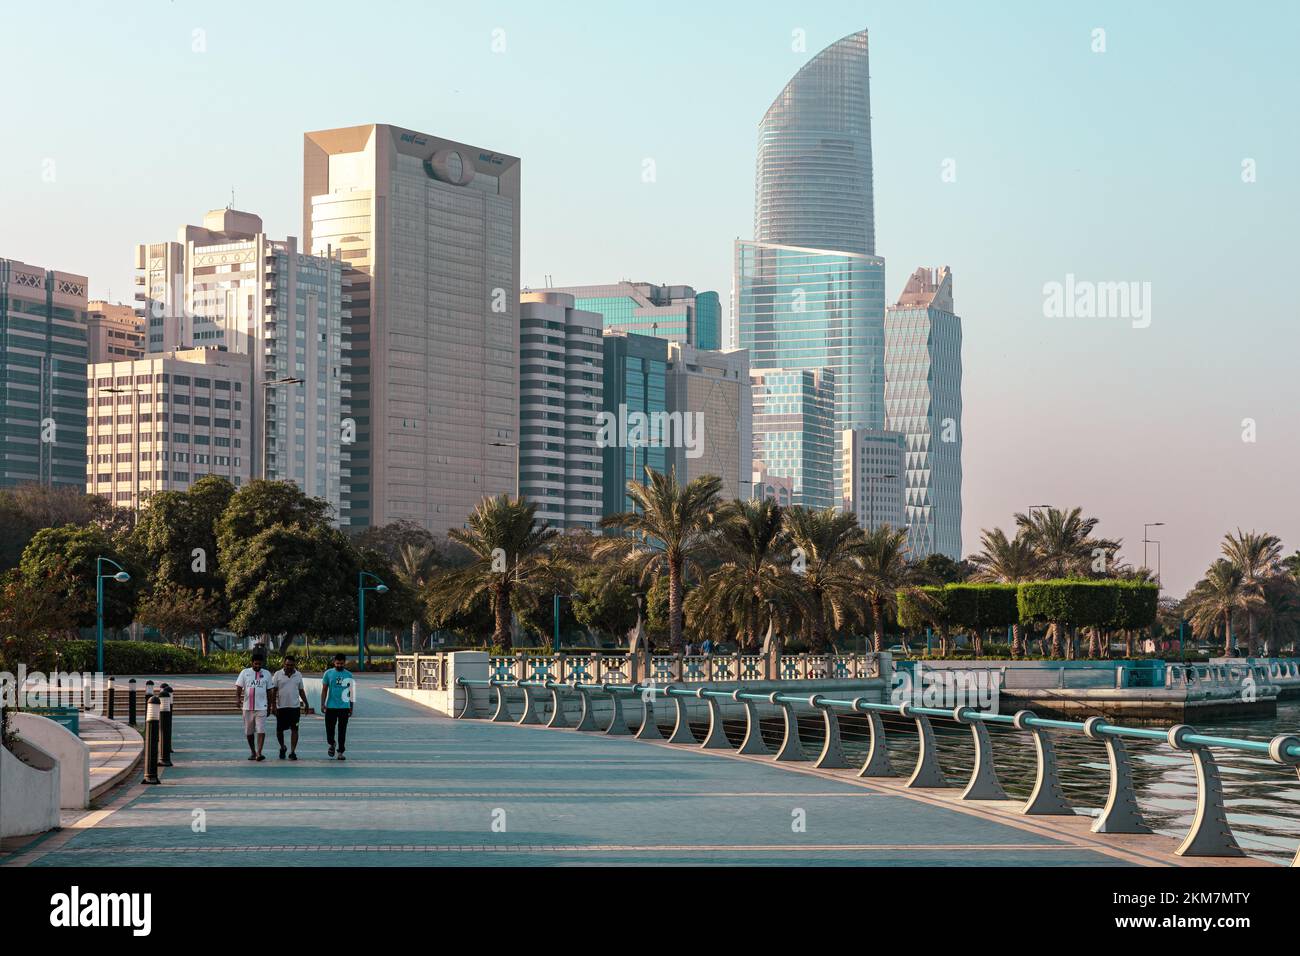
825,545
1066,548
676,524
1280,613
508,562
1258,556
415,565
1218,596
752,576
1006,561
885,572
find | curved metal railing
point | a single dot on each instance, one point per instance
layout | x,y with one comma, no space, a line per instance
1209,834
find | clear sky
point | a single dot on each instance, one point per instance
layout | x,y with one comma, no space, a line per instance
1122,165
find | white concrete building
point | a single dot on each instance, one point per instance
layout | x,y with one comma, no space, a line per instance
874,476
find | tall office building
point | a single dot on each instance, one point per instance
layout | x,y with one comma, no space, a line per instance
42,376
430,229
809,292
113,332
561,378
923,401
674,312
635,384
238,289
711,394
874,477
794,431
163,421
813,180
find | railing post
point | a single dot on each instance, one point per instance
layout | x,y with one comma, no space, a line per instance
679,667
1209,834
502,713
558,717
927,772
587,718
617,722
681,726
529,716
1047,797
983,783
1121,813
832,753
649,729
468,712
1277,751
716,738
791,745
753,742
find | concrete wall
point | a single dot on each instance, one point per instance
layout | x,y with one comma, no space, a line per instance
29,791
68,749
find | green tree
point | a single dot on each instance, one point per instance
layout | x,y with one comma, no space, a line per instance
671,527
66,555
825,546
509,564
753,577
26,509
36,615
1007,562
885,571
178,611
176,537
1220,596
1259,558
415,565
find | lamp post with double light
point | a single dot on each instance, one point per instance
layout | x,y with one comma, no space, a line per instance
121,577
379,587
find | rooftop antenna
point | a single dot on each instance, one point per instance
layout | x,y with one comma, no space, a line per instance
232,198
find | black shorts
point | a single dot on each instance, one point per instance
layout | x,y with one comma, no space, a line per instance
286,718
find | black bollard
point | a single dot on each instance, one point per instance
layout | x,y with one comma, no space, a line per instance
130,702
151,741
111,708
165,726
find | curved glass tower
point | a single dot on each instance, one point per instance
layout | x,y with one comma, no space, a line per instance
813,182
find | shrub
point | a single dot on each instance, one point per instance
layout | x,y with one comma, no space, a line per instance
129,657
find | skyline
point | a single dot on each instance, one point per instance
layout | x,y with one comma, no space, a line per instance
1071,391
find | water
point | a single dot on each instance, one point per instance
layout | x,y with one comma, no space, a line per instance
1262,798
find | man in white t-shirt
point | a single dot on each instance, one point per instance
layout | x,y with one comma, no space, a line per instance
252,688
289,702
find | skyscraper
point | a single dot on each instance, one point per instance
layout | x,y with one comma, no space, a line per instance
794,431
674,312
561,378
430,229
711,391
236,288
42,376
636,381
873,477
813,184
923,401
809,290
113,332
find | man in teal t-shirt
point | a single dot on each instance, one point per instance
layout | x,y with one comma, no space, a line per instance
337,700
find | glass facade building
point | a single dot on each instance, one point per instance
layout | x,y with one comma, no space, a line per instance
674,312
636,380
813,180
794,431
43,355
814,309
923,401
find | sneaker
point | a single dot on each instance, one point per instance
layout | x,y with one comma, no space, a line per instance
331,751
261,756
293,756
341,757
283,751
252,756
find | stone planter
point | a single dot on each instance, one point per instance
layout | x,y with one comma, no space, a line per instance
29,790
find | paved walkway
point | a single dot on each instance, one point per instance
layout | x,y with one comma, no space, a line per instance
114,750
418,789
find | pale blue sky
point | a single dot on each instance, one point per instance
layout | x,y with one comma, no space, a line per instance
1122,165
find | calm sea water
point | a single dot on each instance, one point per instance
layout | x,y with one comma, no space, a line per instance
1262,798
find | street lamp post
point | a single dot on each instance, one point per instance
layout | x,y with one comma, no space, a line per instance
379,588
121,577
266,437
1146,539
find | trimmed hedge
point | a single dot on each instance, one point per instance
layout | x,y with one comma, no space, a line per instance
129,657
1109,604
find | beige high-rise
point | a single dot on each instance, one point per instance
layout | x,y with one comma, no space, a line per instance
431,228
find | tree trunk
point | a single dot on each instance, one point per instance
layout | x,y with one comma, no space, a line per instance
943,641
977,642
878,623
1227,633
205,641
1054,629
675,605
501,614
415,636
1252,636
1016,641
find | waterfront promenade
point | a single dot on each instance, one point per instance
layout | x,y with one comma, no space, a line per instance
418,789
